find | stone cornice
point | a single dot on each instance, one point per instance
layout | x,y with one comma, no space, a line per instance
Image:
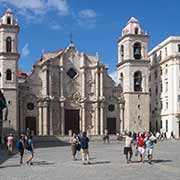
7,26
132,35
133,61
9,54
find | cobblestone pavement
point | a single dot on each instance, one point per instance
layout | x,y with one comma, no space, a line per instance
107,163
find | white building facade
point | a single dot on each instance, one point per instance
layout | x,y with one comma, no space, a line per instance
164,82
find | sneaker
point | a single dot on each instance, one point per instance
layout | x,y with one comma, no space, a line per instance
31,163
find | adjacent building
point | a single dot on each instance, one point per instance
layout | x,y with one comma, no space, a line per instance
164,89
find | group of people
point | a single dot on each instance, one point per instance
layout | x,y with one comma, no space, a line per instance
24,143
80,143
144,143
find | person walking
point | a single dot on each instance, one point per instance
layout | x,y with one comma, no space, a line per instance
149,140
74,146
141,146
20,146
84,142
30,149
128,147
10,141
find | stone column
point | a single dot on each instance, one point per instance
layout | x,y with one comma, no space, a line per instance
40,120
83,124
62,99
97,119
50,118
62,118
102,104
45,118
83,93
97,103
122,118
102,119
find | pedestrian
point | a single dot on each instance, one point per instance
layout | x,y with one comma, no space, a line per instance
128,147
30,148
141,146
149,140
20,146
84,142
74,146
10,141
106,137
172,135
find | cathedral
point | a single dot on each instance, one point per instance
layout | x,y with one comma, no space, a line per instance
71,91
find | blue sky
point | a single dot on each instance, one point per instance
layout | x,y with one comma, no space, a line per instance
95,25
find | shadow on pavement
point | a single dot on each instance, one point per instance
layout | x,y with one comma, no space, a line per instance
49,141
160,160
99,162
13,165
41,163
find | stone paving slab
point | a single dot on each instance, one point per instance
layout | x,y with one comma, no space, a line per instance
107,163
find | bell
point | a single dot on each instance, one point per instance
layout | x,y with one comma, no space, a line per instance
137,51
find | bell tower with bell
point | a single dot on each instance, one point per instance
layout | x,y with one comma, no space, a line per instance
133,71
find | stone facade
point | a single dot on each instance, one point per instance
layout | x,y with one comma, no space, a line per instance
9,65
69,90
133,70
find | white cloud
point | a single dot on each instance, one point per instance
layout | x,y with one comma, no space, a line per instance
25,50
36,9
87,13
114,76
87,18
56,26
60,5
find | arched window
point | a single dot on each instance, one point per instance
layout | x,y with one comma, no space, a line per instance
137,81
136,30
121,80
8,75
122,52
8,44
8,20
137,51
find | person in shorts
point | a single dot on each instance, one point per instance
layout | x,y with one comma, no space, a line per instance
20,147
141,146
84,142
10,142
149,140
128,147
30,149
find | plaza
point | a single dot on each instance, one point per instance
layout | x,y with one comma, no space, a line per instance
107,163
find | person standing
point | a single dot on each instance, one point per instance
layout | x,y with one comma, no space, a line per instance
149,140
20,147
128,147
10,141
30,149
141,146
84,142
74,143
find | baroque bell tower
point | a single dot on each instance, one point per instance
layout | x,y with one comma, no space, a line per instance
133,69
9,65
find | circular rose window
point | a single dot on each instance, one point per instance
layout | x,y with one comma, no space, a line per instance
30,106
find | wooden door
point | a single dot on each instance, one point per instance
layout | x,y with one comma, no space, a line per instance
31,124
111,125
71,121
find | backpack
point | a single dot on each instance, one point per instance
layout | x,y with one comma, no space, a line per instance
19,144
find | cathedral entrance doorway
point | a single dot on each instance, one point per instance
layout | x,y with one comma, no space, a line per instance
31,124
71,121
111,125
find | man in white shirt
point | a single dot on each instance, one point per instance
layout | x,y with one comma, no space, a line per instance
128,147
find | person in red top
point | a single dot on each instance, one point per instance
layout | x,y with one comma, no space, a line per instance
141,146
